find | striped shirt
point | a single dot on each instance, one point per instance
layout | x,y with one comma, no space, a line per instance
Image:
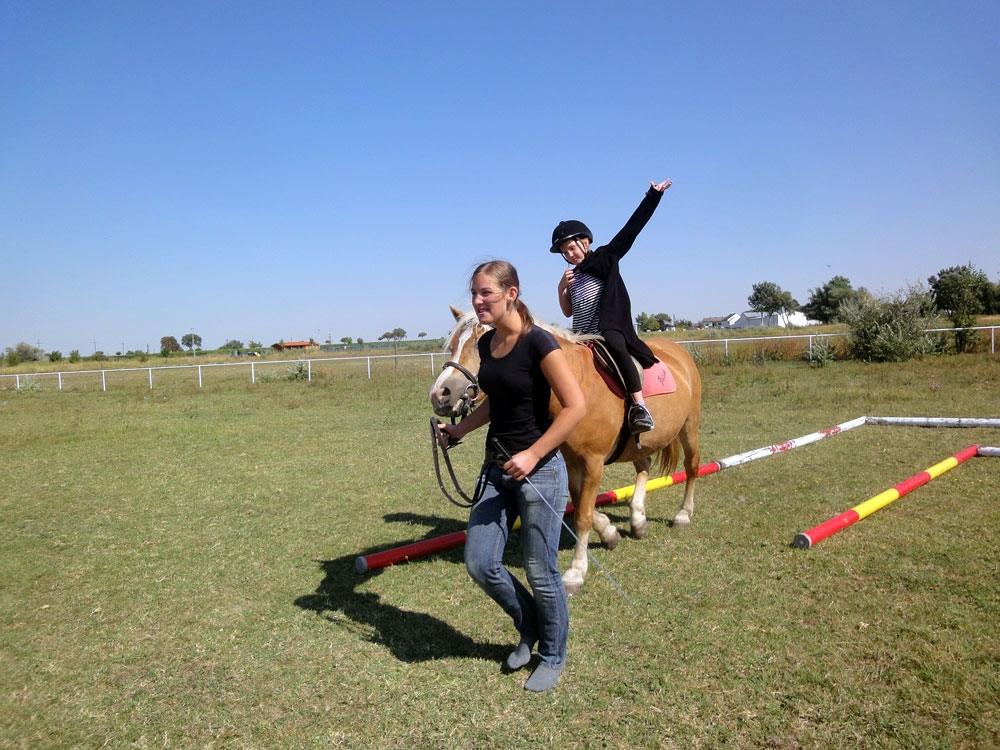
585,294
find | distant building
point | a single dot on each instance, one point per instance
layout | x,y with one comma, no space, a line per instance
296,346
754,319
717,322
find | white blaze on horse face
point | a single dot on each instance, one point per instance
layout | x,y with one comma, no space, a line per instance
439,400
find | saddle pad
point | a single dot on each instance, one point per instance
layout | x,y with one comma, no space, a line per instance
655,380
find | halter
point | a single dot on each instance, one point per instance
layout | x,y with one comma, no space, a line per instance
471,394
468,399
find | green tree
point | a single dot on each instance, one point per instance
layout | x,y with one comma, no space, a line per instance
169,344
191,341
25,352
657,322
347,340
962,292
396,334
768,297
232,344
825,301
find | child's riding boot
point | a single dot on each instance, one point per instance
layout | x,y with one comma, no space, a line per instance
639,419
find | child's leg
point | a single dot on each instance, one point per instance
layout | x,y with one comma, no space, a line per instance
615,342
639,418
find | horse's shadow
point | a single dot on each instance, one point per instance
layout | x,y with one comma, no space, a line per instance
410,636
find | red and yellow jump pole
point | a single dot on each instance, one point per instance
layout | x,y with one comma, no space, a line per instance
408,552
807,539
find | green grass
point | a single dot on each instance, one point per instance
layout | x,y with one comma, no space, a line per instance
179,572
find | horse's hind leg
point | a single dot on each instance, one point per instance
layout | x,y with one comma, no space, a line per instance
637,505
692,457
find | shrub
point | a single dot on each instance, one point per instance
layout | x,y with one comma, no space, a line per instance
824,351
888,329
28,384
298,371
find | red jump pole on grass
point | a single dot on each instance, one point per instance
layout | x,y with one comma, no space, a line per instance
408,552
807,539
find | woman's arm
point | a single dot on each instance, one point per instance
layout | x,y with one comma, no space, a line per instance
564,385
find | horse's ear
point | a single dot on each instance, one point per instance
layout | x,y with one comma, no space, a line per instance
456,312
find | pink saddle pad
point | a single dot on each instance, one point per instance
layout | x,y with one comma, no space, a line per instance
656,380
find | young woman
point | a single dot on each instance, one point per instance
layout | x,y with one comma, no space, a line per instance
593,293
521,367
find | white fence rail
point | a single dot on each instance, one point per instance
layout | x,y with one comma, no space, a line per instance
256,369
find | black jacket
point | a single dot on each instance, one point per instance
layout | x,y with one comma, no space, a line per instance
616,307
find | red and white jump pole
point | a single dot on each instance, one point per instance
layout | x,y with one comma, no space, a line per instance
807,539
408,552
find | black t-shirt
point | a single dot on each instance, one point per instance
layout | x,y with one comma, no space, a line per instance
519,393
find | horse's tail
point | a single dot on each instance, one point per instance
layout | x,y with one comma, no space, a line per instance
670,457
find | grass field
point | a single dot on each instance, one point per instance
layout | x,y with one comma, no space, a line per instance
178,571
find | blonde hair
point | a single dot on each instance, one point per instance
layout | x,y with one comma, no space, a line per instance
505,275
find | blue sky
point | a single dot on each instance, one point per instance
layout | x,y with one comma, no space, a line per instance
286,170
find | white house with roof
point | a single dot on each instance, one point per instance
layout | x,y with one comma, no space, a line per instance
754,319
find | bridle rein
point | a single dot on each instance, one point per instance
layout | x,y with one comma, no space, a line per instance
468,399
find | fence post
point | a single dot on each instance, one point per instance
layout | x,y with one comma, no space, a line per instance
150,378
369,367
104,382
199,376
309,370
60,380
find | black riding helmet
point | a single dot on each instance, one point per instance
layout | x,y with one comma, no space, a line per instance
568,230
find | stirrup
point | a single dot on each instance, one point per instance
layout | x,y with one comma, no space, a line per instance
639,419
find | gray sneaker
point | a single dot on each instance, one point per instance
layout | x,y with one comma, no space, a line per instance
639,419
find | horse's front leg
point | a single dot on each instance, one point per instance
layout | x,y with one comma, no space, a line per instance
584,483
637,505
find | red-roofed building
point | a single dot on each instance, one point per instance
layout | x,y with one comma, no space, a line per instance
296,345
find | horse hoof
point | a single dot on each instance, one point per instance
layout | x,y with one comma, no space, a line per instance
681,520
572,581
612,541
639,528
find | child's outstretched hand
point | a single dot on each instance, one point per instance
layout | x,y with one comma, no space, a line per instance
662,186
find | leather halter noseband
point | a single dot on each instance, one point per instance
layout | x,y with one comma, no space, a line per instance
472,390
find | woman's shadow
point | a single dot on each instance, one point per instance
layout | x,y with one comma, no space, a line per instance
410,636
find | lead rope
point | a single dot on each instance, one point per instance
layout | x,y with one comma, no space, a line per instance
436,445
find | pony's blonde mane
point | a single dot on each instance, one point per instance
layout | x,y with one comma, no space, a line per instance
470,319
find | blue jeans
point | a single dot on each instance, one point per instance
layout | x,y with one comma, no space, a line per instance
542,614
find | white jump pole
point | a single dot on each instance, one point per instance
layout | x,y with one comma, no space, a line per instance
933,421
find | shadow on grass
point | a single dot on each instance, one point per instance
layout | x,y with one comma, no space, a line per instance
410,636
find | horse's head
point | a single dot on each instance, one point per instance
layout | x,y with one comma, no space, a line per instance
456,390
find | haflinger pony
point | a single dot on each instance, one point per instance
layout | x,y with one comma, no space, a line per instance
601,437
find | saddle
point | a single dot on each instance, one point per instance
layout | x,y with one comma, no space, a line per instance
656,380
